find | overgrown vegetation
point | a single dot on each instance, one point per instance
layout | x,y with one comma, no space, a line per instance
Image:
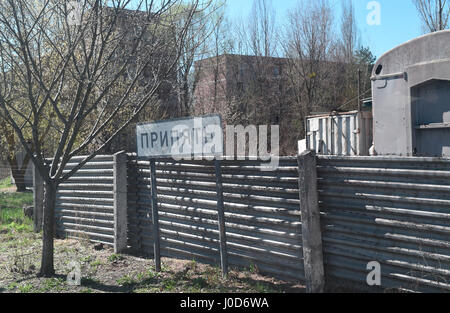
5,183
105,271
11,214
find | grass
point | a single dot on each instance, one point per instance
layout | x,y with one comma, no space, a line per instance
26,288
53,285
11,215
102,271
5,183
115,257
126,280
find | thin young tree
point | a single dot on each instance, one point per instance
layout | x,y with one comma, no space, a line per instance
346,61
259,73
70,57
218,44
262,29
308,44
434,14
199,36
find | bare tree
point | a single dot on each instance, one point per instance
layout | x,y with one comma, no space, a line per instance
434,14
218,46
210,71
349,31
262,29
12,150
346,67
17,159
256,36
133,43
199,35
308,43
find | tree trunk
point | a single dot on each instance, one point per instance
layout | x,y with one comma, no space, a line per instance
19,172
19,179
47,264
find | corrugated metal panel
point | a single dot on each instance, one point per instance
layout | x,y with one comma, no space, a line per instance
85,202
261,211
347,134
392,210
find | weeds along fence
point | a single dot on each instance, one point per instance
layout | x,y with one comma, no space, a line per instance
395,211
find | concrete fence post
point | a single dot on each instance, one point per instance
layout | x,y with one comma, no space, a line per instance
155,216
120,201
221,218
311,230
38,200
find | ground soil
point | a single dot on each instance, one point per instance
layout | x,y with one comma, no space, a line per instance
104,271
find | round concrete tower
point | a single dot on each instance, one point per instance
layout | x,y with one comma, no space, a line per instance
411,98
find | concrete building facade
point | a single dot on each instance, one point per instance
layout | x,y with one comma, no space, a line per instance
230,84
129,25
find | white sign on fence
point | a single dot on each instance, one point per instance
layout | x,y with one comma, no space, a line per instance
181,138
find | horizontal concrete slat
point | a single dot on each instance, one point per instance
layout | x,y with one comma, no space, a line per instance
392,210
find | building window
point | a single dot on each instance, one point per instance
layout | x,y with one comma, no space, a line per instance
242,69
276,71
240,87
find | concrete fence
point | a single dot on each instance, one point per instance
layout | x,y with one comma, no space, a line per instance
348,212
92,204
261,210
395,211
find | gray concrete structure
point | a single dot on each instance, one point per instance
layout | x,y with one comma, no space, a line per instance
393,210
411,98
310,218
120,201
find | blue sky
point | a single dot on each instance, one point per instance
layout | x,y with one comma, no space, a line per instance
399,20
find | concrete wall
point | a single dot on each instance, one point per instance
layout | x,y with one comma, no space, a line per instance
262,213
91,204
395,211
391,210
410,92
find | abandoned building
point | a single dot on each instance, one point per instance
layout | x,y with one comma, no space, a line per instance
248,90
129,25
256,84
